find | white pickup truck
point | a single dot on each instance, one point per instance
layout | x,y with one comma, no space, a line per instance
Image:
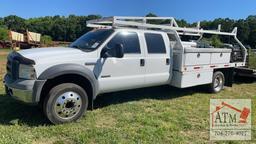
124,55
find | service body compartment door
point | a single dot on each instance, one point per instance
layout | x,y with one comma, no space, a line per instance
191,78
197,58
220,58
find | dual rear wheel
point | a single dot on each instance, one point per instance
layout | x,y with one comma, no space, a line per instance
218,82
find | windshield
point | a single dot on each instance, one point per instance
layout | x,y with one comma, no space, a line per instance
92,40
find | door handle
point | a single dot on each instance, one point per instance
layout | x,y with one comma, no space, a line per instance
142,62
167,61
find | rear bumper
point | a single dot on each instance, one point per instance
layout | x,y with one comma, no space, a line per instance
27,91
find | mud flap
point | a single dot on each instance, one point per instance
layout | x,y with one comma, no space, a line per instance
90,104
229,77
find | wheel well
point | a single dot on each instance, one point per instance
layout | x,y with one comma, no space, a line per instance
228,75
68,78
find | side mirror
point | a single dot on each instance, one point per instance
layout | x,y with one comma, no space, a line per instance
117,51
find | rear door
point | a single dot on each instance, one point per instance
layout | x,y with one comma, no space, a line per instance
157,59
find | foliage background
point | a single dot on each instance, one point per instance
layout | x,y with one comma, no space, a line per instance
3,34
69,28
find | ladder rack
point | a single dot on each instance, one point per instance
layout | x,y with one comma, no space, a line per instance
143,23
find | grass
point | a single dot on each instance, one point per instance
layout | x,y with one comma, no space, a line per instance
252,59
3,54
151,115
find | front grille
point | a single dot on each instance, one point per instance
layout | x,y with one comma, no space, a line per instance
9,68
12,67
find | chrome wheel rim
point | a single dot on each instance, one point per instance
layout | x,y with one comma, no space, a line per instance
218,83
68,105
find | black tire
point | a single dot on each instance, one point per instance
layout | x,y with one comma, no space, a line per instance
218,81
56,93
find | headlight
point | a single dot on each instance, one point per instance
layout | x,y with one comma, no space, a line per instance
27,72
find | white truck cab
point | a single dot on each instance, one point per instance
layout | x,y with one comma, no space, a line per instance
126,55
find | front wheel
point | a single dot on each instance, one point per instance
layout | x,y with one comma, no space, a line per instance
218,82
65,103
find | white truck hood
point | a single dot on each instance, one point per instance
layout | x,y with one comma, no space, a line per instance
48,57
42,54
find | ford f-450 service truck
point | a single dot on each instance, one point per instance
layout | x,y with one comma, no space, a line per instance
121,53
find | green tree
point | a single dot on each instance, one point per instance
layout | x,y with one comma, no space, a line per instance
151,15
216,42
46,40
15,23
61,28
69,28
3,34
251,20
153,21
182,23
1,22
252,38
243,30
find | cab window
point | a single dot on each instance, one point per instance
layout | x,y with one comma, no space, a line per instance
155,43
129,40
92,40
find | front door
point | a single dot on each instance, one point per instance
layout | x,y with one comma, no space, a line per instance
123,73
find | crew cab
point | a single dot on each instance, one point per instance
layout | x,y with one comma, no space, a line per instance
66,80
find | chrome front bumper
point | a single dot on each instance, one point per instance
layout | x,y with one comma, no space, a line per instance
20,95
27,91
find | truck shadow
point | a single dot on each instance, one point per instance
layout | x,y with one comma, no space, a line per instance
16,113
158,93
244,80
